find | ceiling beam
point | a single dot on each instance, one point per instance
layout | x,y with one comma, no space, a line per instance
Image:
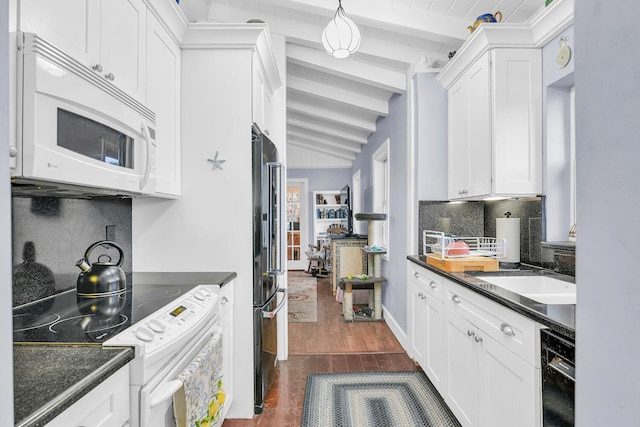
400,54
357,137
331,115
381,78
418,22
326,150
374,105
300,135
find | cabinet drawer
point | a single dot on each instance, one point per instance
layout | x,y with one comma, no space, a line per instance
512,330
107,405
428,281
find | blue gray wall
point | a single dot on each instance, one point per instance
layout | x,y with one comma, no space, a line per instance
608,179
394,127
320,180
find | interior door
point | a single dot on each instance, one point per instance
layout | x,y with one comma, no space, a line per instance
297,228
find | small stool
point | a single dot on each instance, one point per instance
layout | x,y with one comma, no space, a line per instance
373,284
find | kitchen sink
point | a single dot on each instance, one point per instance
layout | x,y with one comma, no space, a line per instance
544,289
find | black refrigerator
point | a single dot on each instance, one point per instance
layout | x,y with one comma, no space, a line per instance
267,261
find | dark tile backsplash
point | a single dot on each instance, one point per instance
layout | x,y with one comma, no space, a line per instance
479,219
50,234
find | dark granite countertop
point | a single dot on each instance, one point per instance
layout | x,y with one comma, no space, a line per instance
48,378
558,317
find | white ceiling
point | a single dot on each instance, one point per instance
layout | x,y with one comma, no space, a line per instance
333,104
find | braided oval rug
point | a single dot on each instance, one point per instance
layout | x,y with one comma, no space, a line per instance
374,399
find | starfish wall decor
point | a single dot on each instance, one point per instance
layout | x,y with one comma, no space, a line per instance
217,163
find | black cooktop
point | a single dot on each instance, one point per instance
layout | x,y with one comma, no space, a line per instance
70,318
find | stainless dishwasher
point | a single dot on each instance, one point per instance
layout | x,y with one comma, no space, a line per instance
558,379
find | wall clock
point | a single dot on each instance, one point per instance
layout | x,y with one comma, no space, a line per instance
564,53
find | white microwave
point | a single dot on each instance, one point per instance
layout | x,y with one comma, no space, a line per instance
76,130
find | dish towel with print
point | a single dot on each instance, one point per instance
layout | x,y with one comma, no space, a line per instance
200,400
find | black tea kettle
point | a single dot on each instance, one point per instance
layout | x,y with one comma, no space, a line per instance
103,276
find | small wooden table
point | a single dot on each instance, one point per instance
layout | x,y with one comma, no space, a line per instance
373,284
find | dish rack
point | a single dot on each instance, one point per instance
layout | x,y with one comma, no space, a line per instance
440,243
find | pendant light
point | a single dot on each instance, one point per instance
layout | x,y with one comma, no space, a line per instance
341,37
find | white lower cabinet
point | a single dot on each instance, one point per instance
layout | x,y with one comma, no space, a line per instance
487,385
107,405
481,356
427,323
226,323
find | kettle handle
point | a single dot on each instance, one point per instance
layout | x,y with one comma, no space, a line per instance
498,13
101,243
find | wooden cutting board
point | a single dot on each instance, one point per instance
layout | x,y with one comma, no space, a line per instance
458,265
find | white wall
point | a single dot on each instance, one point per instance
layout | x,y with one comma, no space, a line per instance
608,181
210,227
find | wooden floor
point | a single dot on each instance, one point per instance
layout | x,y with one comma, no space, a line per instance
330,345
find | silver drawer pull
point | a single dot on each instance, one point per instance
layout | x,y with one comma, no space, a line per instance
224,300
455,299
471,333
416,274
478,338
433,285
507,329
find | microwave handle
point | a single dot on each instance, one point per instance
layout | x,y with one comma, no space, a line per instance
150,159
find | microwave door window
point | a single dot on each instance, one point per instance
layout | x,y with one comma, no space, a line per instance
95,140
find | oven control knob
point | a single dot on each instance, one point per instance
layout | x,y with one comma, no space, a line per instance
157,326
205,292
199,295
144,334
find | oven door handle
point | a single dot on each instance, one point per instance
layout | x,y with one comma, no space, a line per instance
164,392
272,314
165,385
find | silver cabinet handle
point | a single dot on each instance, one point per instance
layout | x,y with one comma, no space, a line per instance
416,274
455,299
110,77
471,333
478,338
224,300
97,68
507,329
433,285
420,295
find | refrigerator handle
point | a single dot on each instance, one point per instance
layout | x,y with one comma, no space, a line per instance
272,314
274,248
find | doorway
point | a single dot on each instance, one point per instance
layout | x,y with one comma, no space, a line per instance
297,224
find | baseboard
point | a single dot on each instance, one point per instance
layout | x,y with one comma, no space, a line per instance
400,335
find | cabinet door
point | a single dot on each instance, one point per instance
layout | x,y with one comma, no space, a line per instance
107,405
163,98
122,42
470,132
434,355
517,116
461,369
65,23
226,323
108,36
261,107
418,324
509,387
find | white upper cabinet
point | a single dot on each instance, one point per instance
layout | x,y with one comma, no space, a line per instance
495,126
262,93
163,98
108,36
